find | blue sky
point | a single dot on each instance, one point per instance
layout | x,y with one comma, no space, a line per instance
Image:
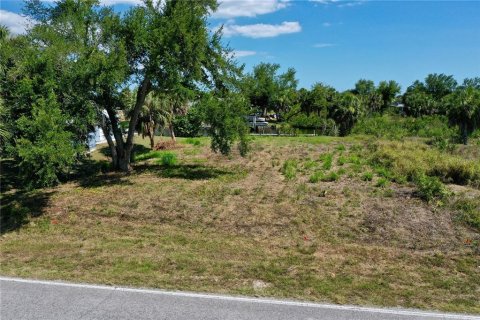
339,42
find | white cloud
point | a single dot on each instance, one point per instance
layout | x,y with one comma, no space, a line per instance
261,30
326,24
17,24
243,53
248,8
323,45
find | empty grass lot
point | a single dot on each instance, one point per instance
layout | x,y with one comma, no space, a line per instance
311,218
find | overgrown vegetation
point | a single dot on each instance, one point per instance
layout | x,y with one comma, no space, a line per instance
354,233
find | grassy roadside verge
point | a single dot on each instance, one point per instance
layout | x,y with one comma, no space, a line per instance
234,225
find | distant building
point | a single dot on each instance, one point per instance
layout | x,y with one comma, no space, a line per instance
256,122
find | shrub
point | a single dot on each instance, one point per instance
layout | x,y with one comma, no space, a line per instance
188,125
289,169
397,127
430,188
168,159
46,150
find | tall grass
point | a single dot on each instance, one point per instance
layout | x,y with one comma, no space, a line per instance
411,160
398,127
289,169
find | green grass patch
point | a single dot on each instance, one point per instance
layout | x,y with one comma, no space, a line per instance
290,168
367,176
469,211
149,155
167,159
327,161
330,177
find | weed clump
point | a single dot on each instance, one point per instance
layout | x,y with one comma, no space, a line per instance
149,155
327,159
430,188
289,169
367,176
332,176
167,159
317,176
469,212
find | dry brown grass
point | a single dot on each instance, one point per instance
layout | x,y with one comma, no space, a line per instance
221,224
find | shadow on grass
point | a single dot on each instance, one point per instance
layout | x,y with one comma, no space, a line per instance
108,179
183,171
17,207
17,204
97,173
10,178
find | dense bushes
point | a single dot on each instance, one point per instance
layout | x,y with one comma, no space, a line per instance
188,125
45,151
321,125
398,127
411,160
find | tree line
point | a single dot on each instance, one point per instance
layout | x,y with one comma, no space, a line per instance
82,64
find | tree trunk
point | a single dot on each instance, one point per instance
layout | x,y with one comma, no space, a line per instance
111,144
125,156
151,134
172,133
464,133
123,162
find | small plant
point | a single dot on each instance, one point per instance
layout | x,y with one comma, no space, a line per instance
289,169
354,159
340,147
332,176
469,212
367,176
384,172
327,159
317,176
148,155
381,183
309,164
341,160
430,188
168,159
193,141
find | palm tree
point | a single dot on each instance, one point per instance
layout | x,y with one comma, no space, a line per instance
463,108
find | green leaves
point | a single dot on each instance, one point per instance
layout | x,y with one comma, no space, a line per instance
225,116
46,150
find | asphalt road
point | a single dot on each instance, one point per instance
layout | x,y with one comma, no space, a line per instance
31,299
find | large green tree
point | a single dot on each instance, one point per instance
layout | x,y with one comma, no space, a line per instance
463,107
268,90
388,90
159,46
